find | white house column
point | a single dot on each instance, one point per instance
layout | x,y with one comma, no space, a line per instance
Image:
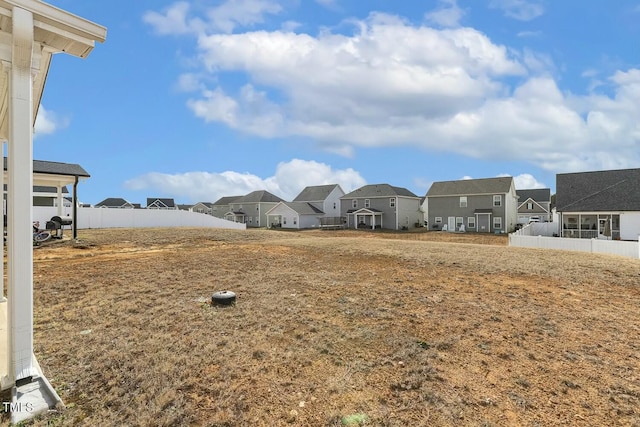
20,177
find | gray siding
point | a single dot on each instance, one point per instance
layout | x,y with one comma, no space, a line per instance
446,207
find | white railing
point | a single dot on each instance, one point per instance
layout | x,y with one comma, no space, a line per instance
613,247
135,218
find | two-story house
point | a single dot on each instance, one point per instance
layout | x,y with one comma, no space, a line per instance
315,206
534,205
381,206
252,208
488,205
220,207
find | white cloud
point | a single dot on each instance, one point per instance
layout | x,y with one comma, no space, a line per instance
225,18
289,179
526,181
173,20
392,83
48,122
448,14
522,10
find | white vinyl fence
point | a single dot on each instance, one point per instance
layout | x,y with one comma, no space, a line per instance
135,218
539,229
614,247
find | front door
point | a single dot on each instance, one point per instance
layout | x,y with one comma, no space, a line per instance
451,226
484,223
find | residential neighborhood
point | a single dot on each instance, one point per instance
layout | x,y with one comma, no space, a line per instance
588,205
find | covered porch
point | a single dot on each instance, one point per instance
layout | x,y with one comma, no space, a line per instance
603,225
366,218
237,216
31,32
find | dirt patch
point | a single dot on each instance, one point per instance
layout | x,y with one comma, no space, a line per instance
383,329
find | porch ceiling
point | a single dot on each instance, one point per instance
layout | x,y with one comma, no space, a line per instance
55,30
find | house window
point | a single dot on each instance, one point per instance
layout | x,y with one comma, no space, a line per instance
438,220
295,220
354,203
392,202
459,222
463,201
367,203
530,206
497,200
497,222
471,222
334,205
284,220
250,220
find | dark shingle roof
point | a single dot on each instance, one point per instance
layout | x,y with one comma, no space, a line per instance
115,202
170,203
56,168
257,197
379,190
536,194
471,186
303,208
610,190
225,200
315,193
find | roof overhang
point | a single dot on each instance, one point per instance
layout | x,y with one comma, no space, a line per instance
55,31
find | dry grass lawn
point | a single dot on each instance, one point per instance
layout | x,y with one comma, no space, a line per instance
334,328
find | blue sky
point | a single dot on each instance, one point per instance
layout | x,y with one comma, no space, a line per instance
201,99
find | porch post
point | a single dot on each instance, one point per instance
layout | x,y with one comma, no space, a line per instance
20,168
74,209
60,200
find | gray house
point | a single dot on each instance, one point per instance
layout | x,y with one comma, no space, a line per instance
381,206
202,207
488,205
599,204
315,206
252,208
534,205
220,207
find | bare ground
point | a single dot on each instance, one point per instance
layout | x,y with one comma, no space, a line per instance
381,329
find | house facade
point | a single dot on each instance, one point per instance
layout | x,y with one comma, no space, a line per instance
252,208
599,204
326,198
534,205
488,205
294,215
202,207
220,207
381,206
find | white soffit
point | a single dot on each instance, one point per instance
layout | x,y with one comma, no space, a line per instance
55,31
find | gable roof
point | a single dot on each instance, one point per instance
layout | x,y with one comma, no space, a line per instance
540,195
379,190
225,200
612,190
463,187
165,201
315,193
206,204
113,202
259,196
